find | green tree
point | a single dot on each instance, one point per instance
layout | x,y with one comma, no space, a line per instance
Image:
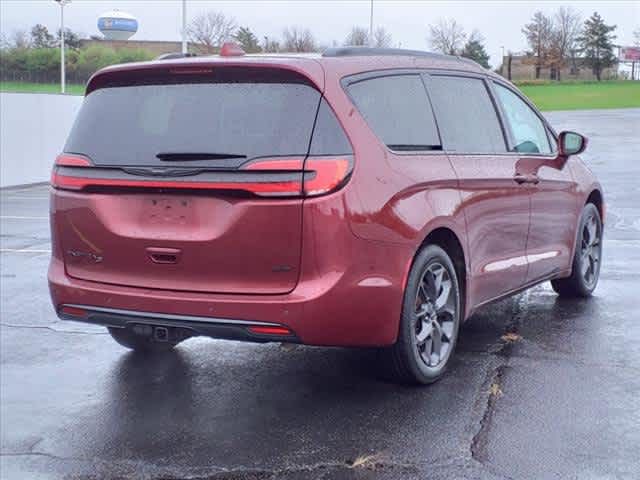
41,38
94,58
596,44
474,49
71,38
247,40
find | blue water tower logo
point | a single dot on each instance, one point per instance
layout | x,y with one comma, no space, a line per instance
117,25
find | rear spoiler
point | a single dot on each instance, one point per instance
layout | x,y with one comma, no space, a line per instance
176,63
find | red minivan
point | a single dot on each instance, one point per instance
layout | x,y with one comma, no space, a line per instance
362,197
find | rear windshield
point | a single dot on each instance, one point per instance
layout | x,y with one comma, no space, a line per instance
131,125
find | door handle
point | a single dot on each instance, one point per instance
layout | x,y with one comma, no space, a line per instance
164,255
530,178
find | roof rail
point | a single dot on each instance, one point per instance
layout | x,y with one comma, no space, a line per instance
370,51
171,56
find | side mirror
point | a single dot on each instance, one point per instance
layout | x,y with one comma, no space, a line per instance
571,143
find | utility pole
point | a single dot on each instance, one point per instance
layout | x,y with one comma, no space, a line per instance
62,3
371,26
184,27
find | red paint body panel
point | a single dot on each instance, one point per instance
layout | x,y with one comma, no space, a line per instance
331,268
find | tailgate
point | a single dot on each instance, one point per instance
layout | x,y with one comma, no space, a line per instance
172,194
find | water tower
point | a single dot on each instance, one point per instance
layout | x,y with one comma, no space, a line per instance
117,25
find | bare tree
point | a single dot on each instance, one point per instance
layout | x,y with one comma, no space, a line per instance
447,36
210,30
358,37
382,38
538,34
565,31
270,45
4,41
636,37
296,39
20,39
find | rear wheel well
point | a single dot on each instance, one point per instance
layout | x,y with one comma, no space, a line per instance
448,241
595,197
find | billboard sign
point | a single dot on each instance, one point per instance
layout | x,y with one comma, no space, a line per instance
630,54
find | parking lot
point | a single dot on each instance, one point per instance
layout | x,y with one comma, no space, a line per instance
540,387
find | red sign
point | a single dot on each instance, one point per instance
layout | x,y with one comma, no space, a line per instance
630,54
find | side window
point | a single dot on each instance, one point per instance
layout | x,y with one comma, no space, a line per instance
328,136
466,115
530,134
398,110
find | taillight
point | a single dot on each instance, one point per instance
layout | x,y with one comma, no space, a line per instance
325,174
268,177
66,160
64,181
321,175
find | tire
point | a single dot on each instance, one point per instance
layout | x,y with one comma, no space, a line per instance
585,269
428,312
139,343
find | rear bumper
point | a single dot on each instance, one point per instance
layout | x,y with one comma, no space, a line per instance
359,306
195,326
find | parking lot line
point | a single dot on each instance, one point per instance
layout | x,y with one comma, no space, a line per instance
23,250
17,197
16,217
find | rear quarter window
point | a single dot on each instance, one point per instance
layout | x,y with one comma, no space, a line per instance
398,111
328,136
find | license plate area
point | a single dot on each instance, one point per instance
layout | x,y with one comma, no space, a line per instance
161,210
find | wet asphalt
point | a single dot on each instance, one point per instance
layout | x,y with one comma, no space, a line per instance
539,388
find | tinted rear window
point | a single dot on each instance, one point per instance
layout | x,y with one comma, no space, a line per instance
130,125
466,116
398,110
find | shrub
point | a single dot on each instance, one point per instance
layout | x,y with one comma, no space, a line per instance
43,64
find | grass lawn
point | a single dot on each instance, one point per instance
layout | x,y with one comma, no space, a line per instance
584,96
548,96
25,87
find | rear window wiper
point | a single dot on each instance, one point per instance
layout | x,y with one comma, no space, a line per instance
404,147
195,156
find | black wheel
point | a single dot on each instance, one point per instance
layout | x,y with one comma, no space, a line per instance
587,257
140,343
430,320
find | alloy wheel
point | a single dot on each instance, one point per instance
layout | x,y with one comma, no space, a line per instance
435,314
590,250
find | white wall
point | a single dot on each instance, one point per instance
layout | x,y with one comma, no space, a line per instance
33,129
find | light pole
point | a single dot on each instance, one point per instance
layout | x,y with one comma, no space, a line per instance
184,27
371,26
62,3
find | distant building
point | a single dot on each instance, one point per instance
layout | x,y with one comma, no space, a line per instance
153,46
523,67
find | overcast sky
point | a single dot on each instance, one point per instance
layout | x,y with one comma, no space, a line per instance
500,22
